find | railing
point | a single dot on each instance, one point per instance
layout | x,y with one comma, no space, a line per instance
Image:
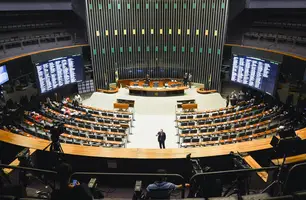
29,169
95,174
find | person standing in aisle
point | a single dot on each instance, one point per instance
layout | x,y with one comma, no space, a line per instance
161,138
189,79
185,79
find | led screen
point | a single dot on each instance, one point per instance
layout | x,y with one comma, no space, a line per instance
60,71
255,72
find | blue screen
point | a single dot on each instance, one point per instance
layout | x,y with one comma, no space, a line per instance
255,72
58,72
3,75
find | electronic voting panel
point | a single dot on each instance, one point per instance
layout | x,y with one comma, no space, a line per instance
254,72
58,72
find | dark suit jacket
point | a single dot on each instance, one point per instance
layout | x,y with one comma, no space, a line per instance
161,136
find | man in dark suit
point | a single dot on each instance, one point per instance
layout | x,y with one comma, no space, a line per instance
161,138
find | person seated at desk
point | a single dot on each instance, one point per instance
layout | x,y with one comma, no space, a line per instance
163,185
147,80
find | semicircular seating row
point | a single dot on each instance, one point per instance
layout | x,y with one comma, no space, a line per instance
83,125
243,122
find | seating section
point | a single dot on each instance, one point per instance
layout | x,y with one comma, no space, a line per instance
276,37
242,122
27,40
84,126
24,32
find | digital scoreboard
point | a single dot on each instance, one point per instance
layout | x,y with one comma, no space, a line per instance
60,71
255,72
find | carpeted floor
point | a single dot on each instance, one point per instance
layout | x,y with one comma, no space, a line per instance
154,113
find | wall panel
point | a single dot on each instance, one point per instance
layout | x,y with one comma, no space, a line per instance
161,38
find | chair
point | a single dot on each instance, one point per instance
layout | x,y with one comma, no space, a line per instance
158,194
191,123
183,117
87,126
199,116
193,131
99,137
224,137
187,140
184,123
118,139
97,128
82,134
217,121
185,132
92,136
211,129
215,138
195,140
206,139
248,133
241,134
104,129
233,135
125,116
110,115
206,115
201,122
203,130
100,120
190,117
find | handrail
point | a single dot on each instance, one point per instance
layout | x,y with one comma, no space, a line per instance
135,174
236,171
2,166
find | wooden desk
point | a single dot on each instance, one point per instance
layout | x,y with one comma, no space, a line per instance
211,111
91,139
91,122
134,153
226,131
254,165
121,106
203,91
112,91
110,111
140,82
190,106
151,91
237,139
216,116
224,123
290,159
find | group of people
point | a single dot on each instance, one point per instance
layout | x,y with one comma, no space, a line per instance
235,97
187,79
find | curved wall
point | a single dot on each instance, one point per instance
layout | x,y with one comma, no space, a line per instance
161,38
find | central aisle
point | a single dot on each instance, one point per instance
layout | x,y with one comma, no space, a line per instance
154,113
